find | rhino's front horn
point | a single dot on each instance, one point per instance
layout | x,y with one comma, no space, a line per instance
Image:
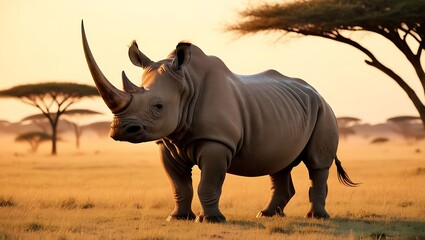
115,99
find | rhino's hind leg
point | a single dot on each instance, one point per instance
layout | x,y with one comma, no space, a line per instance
181,182
317,193
282,191
318,156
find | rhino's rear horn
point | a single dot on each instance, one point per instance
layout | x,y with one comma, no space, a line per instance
128,85
115,99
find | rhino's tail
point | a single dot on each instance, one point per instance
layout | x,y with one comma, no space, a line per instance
343,176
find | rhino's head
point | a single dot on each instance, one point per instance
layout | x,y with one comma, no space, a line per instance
149,112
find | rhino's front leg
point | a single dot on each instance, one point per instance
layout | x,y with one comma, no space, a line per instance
213,159
181,181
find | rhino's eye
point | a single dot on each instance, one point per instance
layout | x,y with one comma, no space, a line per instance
158,106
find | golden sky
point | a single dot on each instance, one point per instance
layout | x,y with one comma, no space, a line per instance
41,41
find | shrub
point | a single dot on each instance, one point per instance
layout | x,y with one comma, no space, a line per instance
7,202
32,227
69,203
6,236
87,205
281,230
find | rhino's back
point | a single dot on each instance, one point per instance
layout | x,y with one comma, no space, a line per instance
278,117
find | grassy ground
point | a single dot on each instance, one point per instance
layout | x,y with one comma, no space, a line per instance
108,194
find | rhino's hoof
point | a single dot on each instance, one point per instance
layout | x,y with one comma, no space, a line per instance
270,214
212,219
317,215
187,217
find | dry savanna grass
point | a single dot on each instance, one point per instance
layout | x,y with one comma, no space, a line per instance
111,190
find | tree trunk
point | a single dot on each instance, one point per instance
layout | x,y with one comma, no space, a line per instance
77,135
407,89
33,144
78,139
54,137
422,115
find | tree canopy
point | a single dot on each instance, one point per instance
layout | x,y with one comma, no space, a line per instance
408,127
400,21
404,119
31,135
51,89
328,17
44,95
81,112
34,139
345,121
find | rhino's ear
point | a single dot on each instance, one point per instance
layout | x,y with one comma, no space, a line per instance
137,57
182,56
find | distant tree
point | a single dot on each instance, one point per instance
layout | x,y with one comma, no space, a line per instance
379,140
4,124
39,120
34,139
73,116
101,128
53,99
400,21
404,119
347,121
345,132
408,127
345,126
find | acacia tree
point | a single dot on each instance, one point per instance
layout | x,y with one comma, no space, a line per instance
70,116
407,126
400,21
73,116
100,128
39,120
34,139
53,99
345,126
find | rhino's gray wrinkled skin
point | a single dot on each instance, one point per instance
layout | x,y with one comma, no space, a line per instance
205,115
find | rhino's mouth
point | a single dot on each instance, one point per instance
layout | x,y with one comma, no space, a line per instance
129,132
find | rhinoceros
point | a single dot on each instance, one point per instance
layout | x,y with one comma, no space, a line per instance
203,114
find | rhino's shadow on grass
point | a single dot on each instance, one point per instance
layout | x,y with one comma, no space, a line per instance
374,228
